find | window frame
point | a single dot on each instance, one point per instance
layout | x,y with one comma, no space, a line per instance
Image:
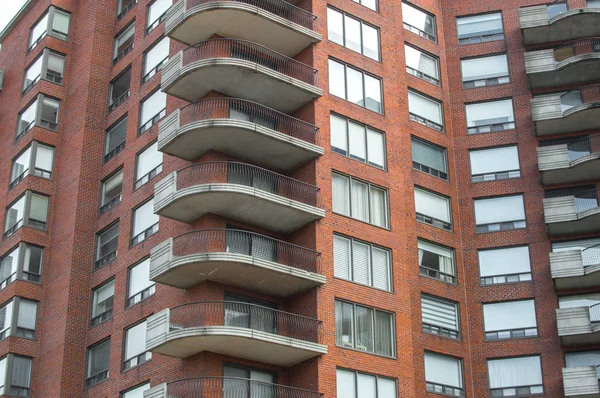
156,23
26,221
446,226
113,202
462,376
148,232
142,358
367,128
158,67
436,81
102,317
485,228
471,84
97,378
154,119
418,31
363,73
8,376
50,14
44,56
38,100
500,175
482,37
114,103
482,278
369,185
376,9
493,128
123,393
13,328
117,149
145,293
124,10
452,278
20,272
428,169
118,55
100,262
361,22
488,334
439,330
515,357
31,169
441,128
376,376
139,181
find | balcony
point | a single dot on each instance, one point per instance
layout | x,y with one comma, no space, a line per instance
581,382
557,21
574,214
241,128
240,69
226,387
579,325
576,110
237,258
573,162
575,269
240,192
276,24
236,329
573,63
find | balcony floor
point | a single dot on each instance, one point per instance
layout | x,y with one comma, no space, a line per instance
581,118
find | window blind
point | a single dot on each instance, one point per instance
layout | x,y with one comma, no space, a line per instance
432,205
497,210
442,369
135,341
32,259
504,261
341,257
144,217
156,54
361,261
27,315
39,208
152,106
420,61
509,315
44,158
484,67
494,160
479,25
439,312
148,160
61,22
379,207
381,268
429,155
513,372
491,112
56,63
139,278
21,372
425,107
156,9
341,194
103,298
137,392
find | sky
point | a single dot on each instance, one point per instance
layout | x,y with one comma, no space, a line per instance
8,9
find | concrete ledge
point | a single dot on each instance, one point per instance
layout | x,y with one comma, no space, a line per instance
569,272
575,327
556,167
581,382
544,72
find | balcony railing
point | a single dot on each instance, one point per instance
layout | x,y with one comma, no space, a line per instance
586,95
249,243
577,47
251,176
239,109
591,255
587,200
561,6
583,147
248,51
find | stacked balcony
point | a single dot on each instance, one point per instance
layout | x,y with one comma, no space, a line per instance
572,162
581,382
579,325
573,214
576,269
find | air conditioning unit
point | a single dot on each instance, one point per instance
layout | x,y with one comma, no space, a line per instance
361,347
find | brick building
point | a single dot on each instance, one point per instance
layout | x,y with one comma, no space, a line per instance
304,199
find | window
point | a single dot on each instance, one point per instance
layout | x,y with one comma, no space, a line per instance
107,243
357,141
355,85
425,110
480,28
485,71
55,22
123,6
26,318
60,24
440,317
585,196
238,310
148,165
135,346
30,210
98,359
429,158
124,42
119,89
48,66
360,200
510,320
489,117
102,303
504,265
136,392
436,262
443,375
15,375
152,110
250,382
583,358
157,12
433,209
422,65
418,21
43,112
351,384
115,139
582,300
589,248
372,4
145,222
112,189
499,214
515,377
362,262
33,74
140,287
352,33
36,160
24,262
155,58
494,164
364,329
38,31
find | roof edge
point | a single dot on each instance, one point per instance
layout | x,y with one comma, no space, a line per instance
13,22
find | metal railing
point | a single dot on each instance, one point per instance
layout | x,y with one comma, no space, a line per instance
424,218
97,378
145,234
520,391
253,52
148,176
247,316
576,47
585,95
443,389
506,278
8,280
114,152
511,334
123,52
155,70
156,22
239,109
141,296
496,176
583,147
250,176
426,122
153,120
110,204
278,7
125,10
587,200
248,243
441,331
436,274
591,255
102,317
119,100
557,7
419,32
234,387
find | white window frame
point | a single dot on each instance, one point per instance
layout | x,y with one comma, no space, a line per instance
504,307
515,254
500,225
347,151
361,33
348,200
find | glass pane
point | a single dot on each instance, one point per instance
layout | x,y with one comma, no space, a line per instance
352,33
354,86
373,94
335,26
61,22
337,84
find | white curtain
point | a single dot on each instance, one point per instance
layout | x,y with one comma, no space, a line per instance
44,157
21,372
497,210
494,160
509,260
366,386
509,315
341,194
156,54
513,372
484,67
360,200
381,268
358,141
338,133
61,22
379,207
442,369
491,112
386,388
56,63
341,257
425,107
38,210
364,328
432,205
376,148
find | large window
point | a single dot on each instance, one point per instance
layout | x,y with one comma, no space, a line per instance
124,42
153,109
504,265
510,320
139,286
372,4
98,360
515,377
119,89
490,116
425,110
422,65
352,33
364,329
494,164
500,214
30,210
429,158
112,189
355,85
102,303
444,375
37,160
157,11
115,139
433,209
134,352
436,261
357,141
48,66
136,392
55,23
589,248
42,112
24,262
440,317
18,318
145,222
418,21
352,384
480,28
247,381
148,165
15,376
155,58
123,6
485,71
107,243
360,200
362,262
